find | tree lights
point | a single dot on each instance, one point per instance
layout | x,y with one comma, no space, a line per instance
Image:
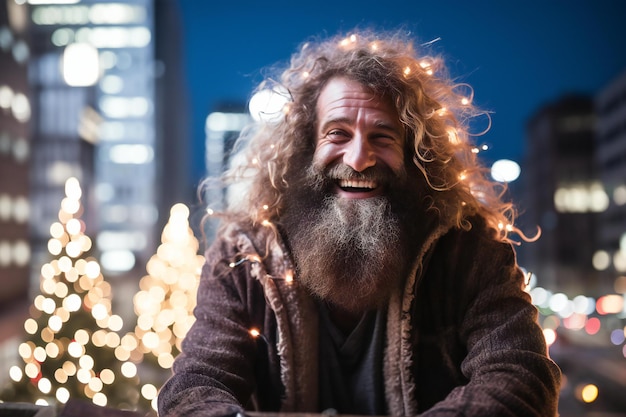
73,349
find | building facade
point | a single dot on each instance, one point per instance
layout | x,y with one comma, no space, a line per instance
610,157
15,161
563,196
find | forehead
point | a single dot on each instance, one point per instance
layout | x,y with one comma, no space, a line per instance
343,93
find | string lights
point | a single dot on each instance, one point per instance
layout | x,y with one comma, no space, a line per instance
167,296
73,349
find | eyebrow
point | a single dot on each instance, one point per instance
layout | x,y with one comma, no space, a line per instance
380,124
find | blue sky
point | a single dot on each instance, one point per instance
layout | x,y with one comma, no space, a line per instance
517,55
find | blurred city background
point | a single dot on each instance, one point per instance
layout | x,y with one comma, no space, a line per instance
112,112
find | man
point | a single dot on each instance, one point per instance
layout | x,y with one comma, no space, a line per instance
368,270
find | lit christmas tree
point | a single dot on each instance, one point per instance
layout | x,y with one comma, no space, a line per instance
167,296
73,349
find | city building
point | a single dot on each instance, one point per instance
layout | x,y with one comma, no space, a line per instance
15,161
88,89
563,196
222,128
610,104
129,148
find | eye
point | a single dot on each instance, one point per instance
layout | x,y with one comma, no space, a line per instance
384,139
337,134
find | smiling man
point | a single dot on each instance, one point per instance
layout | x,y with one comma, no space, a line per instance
369,269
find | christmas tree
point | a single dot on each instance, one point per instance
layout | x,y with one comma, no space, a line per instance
73,349
167,296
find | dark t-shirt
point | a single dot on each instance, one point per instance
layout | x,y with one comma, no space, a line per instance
351,379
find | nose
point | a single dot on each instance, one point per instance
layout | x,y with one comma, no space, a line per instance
359,154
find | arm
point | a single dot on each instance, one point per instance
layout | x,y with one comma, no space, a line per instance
214,374
506,365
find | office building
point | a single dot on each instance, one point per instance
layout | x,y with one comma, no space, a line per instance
563,196
610,156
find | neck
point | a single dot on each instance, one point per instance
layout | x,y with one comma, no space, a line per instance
345,320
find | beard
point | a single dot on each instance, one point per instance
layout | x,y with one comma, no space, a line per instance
351,253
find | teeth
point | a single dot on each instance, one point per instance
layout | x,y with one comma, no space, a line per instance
357,184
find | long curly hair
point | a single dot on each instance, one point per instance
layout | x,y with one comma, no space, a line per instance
435,110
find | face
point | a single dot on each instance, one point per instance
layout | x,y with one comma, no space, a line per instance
343,214
358,129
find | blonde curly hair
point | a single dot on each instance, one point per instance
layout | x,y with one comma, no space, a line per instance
434,109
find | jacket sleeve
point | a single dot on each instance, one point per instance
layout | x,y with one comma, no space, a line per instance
507,366
213,376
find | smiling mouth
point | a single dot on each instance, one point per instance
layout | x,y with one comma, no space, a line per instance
357,186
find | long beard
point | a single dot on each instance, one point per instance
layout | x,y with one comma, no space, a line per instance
352,253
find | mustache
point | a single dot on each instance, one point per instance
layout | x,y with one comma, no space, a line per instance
380,174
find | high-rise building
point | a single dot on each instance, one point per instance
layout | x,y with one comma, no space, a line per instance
610,106
562,195
88,89
15,162
99,119
222,129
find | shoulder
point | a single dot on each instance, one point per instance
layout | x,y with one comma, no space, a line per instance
241,241
476,247
474,234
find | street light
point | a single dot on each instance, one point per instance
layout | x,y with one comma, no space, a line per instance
505,170
267,105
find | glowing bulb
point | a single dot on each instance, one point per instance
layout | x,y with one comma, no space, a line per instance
550,336
129,369
254,332
100,399
92,269
75,349
63,395
589,393
44,385
149,391
15,373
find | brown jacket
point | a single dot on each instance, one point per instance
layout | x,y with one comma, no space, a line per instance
462,338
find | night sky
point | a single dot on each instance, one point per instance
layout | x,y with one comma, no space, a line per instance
517,55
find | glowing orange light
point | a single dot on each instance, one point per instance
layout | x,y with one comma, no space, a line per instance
587,393
254,332
289,276
610,304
